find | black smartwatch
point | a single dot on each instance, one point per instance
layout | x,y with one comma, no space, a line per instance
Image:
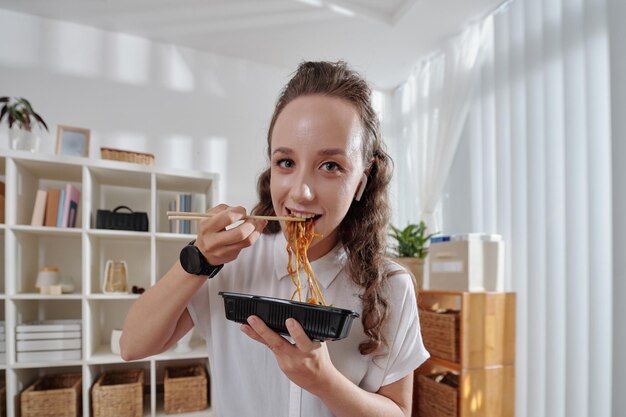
194,262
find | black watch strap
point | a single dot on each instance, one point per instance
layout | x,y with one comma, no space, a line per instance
206,268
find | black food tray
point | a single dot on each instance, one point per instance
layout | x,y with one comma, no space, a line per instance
319,322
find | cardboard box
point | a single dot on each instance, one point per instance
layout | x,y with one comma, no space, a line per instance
466,265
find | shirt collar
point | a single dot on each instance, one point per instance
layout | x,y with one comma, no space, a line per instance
325,268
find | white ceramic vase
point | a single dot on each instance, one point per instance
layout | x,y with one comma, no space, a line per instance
184,343
115,340
23,140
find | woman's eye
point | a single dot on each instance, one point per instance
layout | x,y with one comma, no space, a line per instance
331,166
284,163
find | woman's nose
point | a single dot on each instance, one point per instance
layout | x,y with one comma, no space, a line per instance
302,192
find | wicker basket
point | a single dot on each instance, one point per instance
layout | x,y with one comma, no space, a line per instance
53,396
185,389
440,332
127,156
119,394
435,399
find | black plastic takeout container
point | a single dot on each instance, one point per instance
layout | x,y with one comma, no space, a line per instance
319,322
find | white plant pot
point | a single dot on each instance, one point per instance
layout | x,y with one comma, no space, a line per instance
23,140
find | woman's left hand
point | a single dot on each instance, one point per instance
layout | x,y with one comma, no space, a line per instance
306,363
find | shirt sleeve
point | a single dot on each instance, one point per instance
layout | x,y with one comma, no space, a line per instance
198,308
406,349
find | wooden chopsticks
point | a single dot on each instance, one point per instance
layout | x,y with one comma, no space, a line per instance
190,215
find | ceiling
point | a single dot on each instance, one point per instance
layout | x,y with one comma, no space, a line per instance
381,38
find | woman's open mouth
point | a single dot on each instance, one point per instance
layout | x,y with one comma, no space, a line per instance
304,215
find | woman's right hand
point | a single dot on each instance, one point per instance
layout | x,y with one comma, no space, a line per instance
219,245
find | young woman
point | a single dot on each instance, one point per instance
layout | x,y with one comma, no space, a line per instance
327,162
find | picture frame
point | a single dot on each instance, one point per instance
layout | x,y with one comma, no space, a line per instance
72,141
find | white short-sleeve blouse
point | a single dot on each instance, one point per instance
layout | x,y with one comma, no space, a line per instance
245,375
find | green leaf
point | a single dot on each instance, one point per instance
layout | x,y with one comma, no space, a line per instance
412,241
20,112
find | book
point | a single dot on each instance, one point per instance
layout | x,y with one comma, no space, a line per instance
52,207
178,208
70,206
60,209
1,202
172,207
39,209
183,203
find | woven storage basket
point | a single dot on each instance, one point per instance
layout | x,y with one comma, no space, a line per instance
440,332
53,396
118,394
185,389
127,156
435,399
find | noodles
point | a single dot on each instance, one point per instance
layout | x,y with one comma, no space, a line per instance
299,238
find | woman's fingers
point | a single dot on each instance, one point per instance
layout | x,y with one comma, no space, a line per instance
273,340
219,245
222,217
299,336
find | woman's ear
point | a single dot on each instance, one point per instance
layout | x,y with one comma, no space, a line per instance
359,191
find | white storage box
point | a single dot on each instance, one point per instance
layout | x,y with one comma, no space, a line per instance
48,340
467,263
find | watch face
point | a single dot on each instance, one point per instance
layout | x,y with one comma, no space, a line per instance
191,259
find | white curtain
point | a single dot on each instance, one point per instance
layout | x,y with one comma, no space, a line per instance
431,108
540,175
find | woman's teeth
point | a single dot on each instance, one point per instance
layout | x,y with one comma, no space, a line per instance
302,215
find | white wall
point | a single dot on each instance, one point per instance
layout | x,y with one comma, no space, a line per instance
617,32
192,110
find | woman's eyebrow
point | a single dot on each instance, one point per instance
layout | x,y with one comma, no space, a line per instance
332,151
283,149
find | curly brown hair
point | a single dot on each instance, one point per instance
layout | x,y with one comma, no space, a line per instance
363,231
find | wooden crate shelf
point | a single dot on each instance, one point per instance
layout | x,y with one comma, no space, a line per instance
486,365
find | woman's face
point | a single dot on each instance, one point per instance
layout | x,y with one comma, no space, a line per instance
316,164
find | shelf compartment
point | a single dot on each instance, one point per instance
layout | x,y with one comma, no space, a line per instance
34,251
160,379
167,253
112,188
38,310
94,371
27,376
169,186
104,316
136,254
33,175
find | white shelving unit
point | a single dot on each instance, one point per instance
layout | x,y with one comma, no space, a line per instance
81,253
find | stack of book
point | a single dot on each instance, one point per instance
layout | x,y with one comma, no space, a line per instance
48,340
56,207
181,203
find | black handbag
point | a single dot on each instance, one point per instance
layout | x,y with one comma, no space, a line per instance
107,219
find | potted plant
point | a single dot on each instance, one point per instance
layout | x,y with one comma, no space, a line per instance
21,118
411,249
